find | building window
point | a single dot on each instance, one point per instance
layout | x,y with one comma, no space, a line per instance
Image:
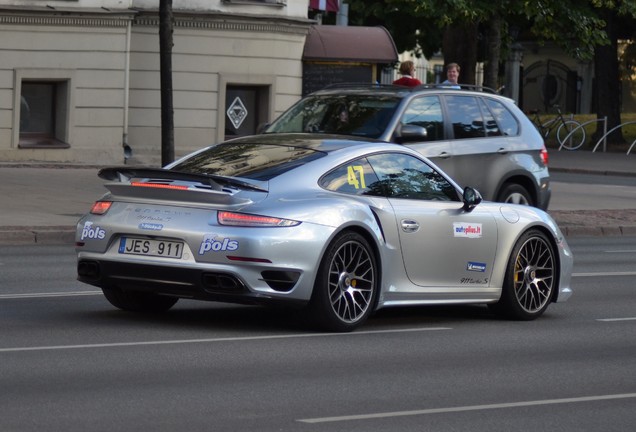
246,108
43,108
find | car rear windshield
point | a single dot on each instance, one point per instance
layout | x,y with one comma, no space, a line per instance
359,115
252,161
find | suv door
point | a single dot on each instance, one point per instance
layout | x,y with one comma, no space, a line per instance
476,152
426,112
481,151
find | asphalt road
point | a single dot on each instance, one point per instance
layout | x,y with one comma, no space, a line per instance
71,362
592,192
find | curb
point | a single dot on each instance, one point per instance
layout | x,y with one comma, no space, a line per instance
606,231
593,172
37,235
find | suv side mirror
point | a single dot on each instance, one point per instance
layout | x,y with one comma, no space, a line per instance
471,198
410,133
261,128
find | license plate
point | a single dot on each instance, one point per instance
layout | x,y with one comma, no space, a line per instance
149,247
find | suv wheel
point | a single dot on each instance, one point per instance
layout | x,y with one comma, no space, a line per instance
515,194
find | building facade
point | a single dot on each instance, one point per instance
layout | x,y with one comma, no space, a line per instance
80,79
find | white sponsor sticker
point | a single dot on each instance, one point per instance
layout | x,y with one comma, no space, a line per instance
93,232
211,243
463,229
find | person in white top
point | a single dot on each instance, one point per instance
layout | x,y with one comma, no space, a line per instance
452,76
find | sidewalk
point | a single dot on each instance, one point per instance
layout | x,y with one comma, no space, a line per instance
42,203
594,222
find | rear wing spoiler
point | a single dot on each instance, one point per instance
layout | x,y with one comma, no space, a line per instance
124,174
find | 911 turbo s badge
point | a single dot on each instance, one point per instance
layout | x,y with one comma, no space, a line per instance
463,229
211,243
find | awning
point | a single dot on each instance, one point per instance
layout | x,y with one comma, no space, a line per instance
350,43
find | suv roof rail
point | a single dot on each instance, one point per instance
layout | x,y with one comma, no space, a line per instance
363,85
451,86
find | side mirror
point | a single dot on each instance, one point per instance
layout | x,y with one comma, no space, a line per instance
471,198
261,128
409,133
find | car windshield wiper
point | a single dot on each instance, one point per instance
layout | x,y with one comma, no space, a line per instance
215,181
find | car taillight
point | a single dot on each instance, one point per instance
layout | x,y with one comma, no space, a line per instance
159,185
101,207
544,156
248,220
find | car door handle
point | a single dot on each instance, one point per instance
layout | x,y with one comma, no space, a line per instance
444,155
409,226
502,151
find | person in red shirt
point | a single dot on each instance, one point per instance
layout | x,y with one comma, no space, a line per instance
407,70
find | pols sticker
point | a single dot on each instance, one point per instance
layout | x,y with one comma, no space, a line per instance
92,232
212,244
463,229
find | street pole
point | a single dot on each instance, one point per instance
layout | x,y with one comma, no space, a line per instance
165,65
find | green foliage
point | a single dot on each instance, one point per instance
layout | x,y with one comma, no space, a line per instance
411,32
572,24
417,25
628,60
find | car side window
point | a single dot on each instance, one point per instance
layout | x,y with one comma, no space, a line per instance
492,128
426,112
354,178
507,122
466,117
404,176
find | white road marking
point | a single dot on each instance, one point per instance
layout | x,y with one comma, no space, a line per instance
87,293
621,251
468,408
52,294
214,340
616,319
628,273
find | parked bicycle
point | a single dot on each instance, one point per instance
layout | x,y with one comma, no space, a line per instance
569,133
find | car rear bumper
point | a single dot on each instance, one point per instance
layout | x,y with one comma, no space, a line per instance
185,282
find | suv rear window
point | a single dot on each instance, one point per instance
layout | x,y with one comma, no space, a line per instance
507,122
467,118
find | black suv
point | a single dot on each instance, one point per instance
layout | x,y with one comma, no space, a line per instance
479,138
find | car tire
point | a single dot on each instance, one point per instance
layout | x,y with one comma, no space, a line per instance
135,301
513,193
530,278
346,284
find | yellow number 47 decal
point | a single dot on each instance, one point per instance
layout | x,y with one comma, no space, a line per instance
353,173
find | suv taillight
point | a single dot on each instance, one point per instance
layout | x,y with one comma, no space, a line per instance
544,156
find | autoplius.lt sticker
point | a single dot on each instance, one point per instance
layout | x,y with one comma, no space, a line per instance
463,229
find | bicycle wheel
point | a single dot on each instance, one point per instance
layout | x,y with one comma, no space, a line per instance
571,135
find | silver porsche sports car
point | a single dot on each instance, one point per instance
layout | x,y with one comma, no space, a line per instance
341,227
